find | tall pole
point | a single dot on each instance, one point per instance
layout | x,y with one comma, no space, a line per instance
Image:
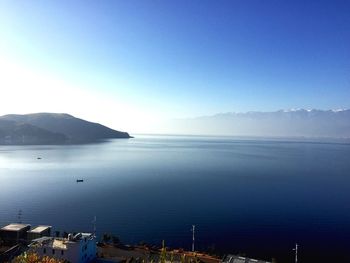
296,253
193,228
19,216
94,223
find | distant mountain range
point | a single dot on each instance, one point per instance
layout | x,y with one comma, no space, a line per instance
283,123
52,128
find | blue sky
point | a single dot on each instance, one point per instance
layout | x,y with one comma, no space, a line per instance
172,59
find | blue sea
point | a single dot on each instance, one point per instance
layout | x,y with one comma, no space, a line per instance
246,196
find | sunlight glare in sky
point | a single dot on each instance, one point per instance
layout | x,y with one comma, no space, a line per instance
28,91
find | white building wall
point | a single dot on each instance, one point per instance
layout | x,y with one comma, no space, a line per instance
80,251
71,254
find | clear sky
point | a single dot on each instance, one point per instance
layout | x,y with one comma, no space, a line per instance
129,64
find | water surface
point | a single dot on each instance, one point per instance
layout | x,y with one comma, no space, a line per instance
245,196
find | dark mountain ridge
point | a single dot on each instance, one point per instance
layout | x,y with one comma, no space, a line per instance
52,128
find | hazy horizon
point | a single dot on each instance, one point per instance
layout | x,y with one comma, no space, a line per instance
294,123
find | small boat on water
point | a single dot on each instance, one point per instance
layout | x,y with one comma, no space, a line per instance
80,180
39,158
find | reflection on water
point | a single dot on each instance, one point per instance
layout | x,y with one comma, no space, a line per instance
245,196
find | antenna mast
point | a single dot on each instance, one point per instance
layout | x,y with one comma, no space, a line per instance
296,253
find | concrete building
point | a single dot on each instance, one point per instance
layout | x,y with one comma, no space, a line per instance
14,233
39,231
80,248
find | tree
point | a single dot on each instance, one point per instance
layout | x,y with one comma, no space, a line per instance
34,258
163,253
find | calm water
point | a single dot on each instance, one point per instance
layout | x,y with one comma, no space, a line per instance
252,197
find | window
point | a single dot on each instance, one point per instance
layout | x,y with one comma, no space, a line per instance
62,252
53,252
44,250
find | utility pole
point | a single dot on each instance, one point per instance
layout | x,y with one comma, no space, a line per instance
193,229
296,253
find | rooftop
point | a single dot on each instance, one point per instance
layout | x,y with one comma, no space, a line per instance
39,229
58,242
55,243
14,227
238,259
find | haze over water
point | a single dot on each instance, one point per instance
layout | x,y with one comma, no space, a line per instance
244,196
